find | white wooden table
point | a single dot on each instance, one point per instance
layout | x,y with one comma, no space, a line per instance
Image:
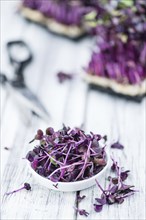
72,103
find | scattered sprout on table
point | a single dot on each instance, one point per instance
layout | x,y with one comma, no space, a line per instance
98,208
26,187
62,76
80,198
82,211
6,148
56,185
117,145
116,191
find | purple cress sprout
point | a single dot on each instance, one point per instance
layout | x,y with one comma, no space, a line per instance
26,187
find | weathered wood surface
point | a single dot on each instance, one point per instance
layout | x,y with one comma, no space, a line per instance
71,103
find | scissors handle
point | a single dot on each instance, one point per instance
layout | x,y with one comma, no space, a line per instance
4,81
20,55
3,78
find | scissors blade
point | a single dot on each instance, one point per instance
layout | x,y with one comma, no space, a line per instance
32,102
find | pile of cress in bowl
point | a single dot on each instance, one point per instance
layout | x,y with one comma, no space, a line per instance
68,156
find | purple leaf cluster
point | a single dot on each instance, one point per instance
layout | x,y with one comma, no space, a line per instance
116,191
67,155
67,12
26,187
122,53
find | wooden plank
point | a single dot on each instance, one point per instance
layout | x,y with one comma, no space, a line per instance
99,120
9,114
122,120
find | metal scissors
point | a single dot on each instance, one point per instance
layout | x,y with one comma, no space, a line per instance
20,56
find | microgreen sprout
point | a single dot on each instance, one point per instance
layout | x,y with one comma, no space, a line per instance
117,145
80,198
26,187
82,211
62,76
